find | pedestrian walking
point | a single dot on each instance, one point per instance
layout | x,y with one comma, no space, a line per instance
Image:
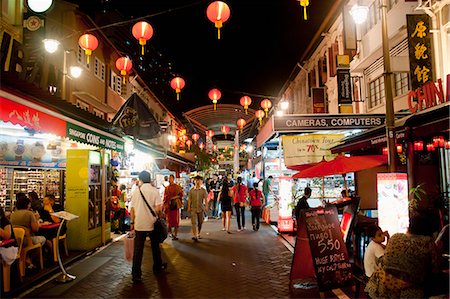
240,199
173,196
197,206
225,197
256,202
142,223
267,188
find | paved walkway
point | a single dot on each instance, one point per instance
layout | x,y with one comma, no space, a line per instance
245,264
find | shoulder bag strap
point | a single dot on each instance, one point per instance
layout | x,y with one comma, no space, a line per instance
151,210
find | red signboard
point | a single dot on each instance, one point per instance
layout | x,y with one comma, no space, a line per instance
25,116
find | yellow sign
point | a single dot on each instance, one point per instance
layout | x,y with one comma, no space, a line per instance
309,148
343,61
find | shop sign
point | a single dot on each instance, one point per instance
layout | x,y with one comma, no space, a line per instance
383,139
343,61
84,135
310,148
420,51
308,122
429,95
30,118
344,87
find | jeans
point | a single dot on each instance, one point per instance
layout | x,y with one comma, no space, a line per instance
139,242
256,214
240,211
266,196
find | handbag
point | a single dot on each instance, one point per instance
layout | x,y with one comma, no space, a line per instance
128,244
160,228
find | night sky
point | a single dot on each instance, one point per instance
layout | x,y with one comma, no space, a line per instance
260,45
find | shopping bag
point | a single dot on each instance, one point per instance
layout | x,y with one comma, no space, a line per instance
128,244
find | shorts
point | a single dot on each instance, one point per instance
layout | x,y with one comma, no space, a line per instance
196,217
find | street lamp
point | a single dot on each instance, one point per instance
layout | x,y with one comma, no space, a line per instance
51,46
359,17
39,6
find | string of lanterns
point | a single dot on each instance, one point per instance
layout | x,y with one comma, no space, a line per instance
418,145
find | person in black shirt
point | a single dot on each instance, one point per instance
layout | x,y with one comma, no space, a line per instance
214,185
302,203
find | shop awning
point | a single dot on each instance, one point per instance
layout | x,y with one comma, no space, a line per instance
152,150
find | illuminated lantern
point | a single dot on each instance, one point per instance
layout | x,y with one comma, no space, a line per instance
225,130
184,138
201,146
88,43
447,144
215,148
399,148
241,123
385,151
236,147
266,105
438,141
222,156
214,95
418,145
259,115
210,133
124,65
231,153
142,31
177,83
245,102
195,137
225,148
218,12
189,143
430,147
304,3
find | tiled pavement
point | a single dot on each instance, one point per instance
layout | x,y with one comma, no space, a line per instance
245,264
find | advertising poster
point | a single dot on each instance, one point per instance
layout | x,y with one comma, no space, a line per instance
392,189
309,148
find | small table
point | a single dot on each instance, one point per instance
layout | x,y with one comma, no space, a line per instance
49,226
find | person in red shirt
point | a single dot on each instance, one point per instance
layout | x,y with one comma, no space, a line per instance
240,199
257,200
173,195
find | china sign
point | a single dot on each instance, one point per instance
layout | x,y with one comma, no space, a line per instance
419,41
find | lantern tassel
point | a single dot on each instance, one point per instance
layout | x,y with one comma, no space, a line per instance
225,135
246,111
87,59
241,130
178,96
267,115
123,80
305,16
260,121
142,50
215,107
218,33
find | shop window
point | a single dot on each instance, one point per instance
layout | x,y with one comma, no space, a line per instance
401,83
82,105
115,83
376,92
81,58
99,69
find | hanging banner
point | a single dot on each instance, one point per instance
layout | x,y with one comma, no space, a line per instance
344,87
135,119
30,118
309,148
420,52
84,135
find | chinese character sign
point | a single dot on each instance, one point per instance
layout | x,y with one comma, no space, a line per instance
419,40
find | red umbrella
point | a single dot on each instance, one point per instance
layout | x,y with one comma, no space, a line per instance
302,167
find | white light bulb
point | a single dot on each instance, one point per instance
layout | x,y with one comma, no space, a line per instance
75,71
39,5
359,13
51,45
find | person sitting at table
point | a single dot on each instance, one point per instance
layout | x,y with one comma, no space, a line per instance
47,218
8,253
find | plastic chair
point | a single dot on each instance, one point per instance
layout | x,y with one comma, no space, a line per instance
27,248
19,234
55,254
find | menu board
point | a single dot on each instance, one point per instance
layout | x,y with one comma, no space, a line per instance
329,254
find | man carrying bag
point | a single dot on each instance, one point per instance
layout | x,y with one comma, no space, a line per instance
146,205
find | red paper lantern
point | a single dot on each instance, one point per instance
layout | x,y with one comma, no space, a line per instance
189,143
399,148
266,104
142,31
124,65
418,145
225,130
218,12
214,95
222,156
447,144
438,141
245,102
88,43
385,151
201,146
215,148
236,147
226,148
177,83
430,147
195,137
241,123
210,133
259,115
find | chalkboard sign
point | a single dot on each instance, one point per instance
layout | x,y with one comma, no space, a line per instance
328,249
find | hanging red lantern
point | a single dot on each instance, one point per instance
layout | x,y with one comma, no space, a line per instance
218,12
195,137
189,143
222,156
447,144
385,151
418,145
399,148
201,146
438,141
177,83
214,95
225,130
225,148
266,104
215,147
88,43
245,101
124,65
241,123
259,115
235,147
142,31
430,147
210,133
304,3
